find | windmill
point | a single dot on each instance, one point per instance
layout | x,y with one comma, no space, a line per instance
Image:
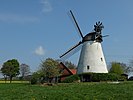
91,55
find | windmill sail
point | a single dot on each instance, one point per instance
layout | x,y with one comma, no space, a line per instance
76,24
73,49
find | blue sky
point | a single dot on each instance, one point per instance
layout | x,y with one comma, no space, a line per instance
33,30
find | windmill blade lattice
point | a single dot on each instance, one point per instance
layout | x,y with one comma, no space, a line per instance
71,49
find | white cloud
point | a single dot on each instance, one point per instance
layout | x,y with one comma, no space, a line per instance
47,7
17,18
39,51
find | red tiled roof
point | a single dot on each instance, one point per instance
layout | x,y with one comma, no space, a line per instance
74,71
67,71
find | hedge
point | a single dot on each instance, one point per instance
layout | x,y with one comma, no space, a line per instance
104,77
71,79
96,77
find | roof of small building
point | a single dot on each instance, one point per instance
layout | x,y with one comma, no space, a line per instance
66,71
74,71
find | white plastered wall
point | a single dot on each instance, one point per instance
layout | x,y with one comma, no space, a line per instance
92,58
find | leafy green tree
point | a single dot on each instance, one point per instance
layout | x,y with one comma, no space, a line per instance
126,68
37,77
24,70
50,68
116,68
70,65
10,69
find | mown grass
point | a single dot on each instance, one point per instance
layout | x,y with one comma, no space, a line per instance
73,91
2,81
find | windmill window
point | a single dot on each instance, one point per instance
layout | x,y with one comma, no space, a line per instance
101,59
88,67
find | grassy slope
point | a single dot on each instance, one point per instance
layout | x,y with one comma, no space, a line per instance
77,91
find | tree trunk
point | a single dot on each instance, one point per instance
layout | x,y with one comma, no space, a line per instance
5,77
10,79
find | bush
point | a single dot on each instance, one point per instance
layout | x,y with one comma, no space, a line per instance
96,77
105,77
130,78
71,79
34,80
122,78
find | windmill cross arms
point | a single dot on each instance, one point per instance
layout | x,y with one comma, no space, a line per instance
98,27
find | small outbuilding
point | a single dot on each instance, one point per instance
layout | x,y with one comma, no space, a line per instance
65,72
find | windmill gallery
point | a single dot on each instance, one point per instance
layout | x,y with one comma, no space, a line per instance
91,58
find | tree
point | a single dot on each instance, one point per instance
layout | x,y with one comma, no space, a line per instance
10,69
116,68
70,65
24,70
130,67
125,68
50,69
37,77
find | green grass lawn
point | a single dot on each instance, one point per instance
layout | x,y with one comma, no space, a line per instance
73,91
2,81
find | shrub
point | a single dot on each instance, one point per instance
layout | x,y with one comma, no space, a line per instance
130,78
122,78
34,80
96,77
71,79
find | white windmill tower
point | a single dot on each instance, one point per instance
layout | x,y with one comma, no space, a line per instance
91,56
